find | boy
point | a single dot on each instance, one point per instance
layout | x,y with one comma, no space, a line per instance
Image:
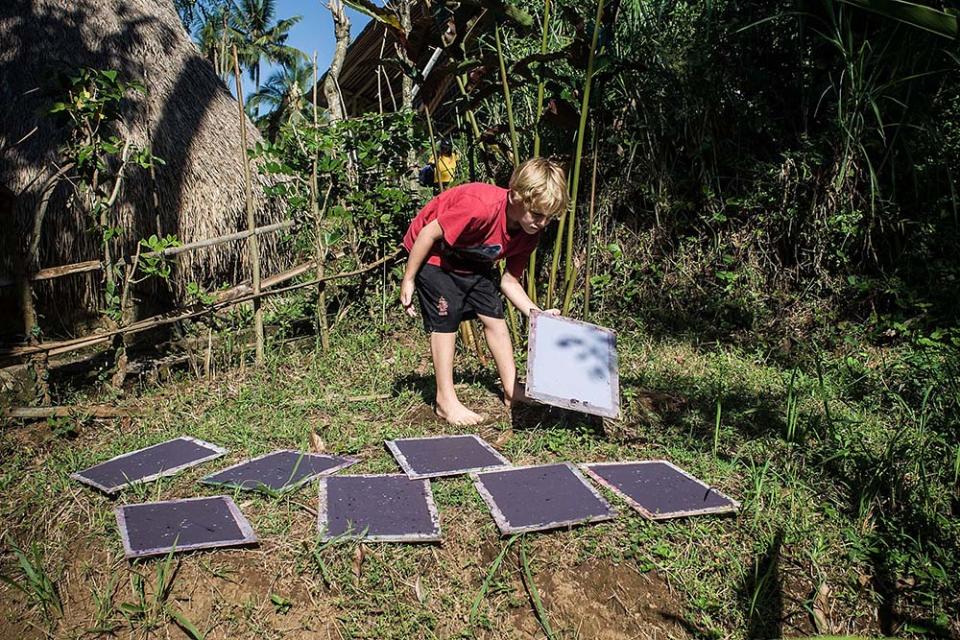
453,244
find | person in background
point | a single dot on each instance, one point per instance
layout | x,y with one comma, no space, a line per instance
446,165
440,172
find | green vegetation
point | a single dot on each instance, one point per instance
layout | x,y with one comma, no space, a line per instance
773,231
859,501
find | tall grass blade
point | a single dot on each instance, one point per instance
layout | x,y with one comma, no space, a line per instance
534,593
916,15
716,424
490,574
184,623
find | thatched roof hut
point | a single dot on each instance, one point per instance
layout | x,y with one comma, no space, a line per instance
188,117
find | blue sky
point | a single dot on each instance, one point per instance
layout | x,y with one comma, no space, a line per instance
314,32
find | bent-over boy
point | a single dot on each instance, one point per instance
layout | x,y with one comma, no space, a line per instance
454,244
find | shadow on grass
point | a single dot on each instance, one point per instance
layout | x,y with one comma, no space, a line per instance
531,415
426,387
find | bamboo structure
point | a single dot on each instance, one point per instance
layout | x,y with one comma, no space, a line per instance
87,266
532,266
253,245
320,248
75,344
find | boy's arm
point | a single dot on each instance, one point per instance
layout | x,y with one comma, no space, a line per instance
429,235
515,293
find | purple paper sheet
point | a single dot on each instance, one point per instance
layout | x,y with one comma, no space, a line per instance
660,490
573,365
282,470
541,497
150,463
385,508
437,456
156,528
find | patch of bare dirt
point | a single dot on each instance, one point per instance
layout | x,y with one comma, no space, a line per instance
599,599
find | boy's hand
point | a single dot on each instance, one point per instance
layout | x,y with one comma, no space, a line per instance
552,312
406,297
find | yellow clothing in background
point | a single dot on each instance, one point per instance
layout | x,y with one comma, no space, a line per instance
446,168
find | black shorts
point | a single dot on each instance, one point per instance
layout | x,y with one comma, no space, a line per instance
446,297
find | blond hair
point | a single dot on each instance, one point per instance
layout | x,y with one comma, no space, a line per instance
542,186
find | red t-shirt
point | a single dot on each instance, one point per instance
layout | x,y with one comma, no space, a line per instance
474,222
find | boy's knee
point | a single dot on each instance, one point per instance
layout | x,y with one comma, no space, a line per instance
495,326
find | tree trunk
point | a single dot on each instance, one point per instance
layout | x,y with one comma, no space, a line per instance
341,29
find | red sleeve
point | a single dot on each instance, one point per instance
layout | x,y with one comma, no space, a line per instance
454,219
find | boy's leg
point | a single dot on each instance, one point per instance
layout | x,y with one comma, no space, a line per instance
443,346
498,338
441,304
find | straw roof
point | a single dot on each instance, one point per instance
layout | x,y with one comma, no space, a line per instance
188,115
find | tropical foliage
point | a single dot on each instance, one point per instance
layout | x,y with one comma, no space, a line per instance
775,176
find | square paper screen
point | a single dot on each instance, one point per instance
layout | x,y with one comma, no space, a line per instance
389,508
164,459
278,471
660,490
540,497
573,365
444,455
155,528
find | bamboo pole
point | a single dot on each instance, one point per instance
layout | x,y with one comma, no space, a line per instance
318,244
581,132
74,344
34,413
532,266
590,217
514,143
564,224
253,244
60,271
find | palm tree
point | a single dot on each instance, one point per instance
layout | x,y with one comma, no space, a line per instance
214,36
262,39
284,94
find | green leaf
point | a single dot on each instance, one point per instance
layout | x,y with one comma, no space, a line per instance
935,21
109,74
184,623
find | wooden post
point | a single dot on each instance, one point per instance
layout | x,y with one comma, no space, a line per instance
319,246
253,244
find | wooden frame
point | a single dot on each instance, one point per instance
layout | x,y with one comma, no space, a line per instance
568,403
248,535
323,516
733,507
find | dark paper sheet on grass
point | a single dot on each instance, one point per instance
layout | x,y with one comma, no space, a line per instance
156,528
573,365
660,490
280,471
150,463
385,508
541,497
436,456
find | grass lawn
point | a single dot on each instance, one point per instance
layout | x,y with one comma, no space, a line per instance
801,557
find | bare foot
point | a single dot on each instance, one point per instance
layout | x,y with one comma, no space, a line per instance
457,414
519,396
